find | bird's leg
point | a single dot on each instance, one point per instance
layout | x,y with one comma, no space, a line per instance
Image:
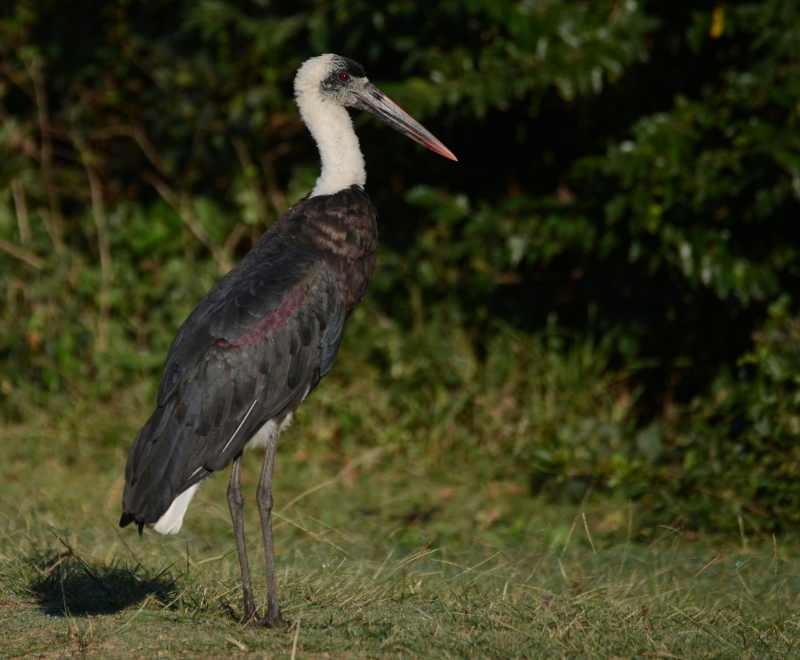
236,505
273,617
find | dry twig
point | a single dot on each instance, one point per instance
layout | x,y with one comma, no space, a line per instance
22,254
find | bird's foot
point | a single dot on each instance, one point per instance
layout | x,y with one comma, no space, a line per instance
273,620
250,613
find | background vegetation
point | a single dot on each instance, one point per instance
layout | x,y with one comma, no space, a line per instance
600,299
579,360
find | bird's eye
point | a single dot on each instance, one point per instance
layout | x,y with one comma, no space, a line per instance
344,76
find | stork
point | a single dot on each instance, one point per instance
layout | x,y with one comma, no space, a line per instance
263,337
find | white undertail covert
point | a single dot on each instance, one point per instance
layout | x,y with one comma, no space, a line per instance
172,520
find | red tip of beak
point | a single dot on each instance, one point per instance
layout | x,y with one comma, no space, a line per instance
439,148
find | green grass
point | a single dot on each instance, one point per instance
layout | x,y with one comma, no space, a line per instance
383,550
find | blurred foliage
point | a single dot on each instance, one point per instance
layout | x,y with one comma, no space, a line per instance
599,267
745,435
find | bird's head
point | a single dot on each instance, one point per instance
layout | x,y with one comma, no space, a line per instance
343,82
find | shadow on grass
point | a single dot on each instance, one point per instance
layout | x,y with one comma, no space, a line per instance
66,585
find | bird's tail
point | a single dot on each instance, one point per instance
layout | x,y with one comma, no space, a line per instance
157,492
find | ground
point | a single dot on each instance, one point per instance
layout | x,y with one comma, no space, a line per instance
379,553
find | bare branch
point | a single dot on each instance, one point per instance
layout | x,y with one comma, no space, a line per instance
104,249
54,220
275,192
185,212
138,134
21,210
248,165
234,237
22,254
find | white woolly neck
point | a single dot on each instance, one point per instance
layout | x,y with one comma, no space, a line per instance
332,129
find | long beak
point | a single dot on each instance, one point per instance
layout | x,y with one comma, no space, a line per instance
373,100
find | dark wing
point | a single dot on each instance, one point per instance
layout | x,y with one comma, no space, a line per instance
249,353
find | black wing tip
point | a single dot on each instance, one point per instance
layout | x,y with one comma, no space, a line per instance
127,518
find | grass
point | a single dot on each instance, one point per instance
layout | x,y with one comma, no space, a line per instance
383,550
